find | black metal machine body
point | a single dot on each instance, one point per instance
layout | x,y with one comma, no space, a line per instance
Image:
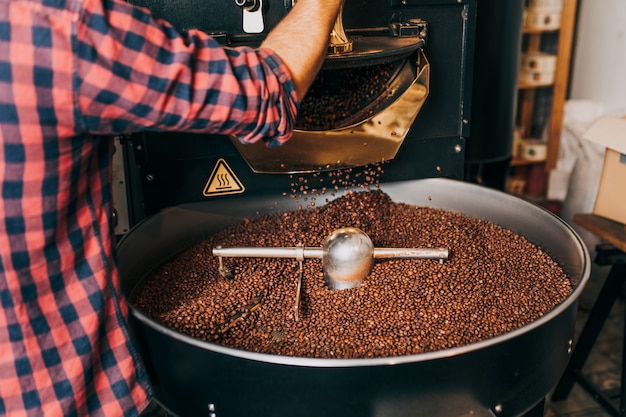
166,169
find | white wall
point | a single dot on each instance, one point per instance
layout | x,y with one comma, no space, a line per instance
599,65
598,88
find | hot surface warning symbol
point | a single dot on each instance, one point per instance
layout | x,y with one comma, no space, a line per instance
222,181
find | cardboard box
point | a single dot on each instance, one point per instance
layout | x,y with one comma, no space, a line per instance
611,197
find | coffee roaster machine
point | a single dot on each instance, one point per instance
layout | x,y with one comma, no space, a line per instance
177,187
432,42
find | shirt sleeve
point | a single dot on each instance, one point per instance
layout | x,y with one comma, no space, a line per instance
138,73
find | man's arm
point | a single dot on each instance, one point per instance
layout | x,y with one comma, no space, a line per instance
139,73
301,39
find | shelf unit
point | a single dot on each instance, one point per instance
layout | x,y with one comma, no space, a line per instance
535,172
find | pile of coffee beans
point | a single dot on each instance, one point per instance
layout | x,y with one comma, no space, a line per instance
328,184
338,94
495,281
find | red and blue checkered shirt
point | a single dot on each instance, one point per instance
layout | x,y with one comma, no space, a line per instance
73,73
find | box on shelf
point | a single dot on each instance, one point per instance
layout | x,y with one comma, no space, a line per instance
611,198
533,150
538,61
537,68
542,18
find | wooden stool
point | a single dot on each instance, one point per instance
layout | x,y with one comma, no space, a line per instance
612,253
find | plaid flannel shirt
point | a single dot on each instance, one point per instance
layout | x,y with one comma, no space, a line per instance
72,73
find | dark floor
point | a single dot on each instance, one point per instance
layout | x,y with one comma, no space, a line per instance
604,362
602,366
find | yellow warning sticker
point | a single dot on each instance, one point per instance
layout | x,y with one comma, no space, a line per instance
222,181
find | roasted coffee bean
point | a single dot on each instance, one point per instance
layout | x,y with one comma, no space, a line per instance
494,282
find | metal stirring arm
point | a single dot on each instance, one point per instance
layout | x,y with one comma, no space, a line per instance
347,257
411,253
295,252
